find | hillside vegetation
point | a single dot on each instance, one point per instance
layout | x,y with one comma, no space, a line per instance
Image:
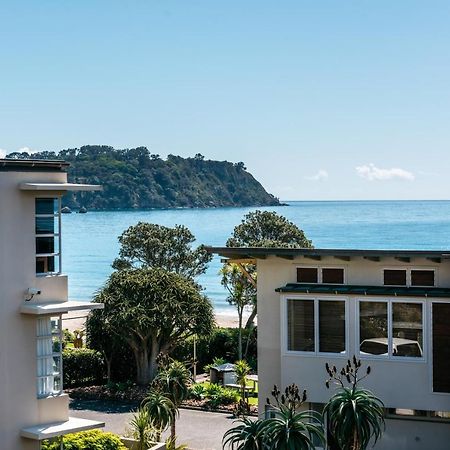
135,179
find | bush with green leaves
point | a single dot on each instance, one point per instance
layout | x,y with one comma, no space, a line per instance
87,440
197,392
218,395
83,367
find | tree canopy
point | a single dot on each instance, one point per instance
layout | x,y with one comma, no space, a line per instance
152,245
268,229
152,310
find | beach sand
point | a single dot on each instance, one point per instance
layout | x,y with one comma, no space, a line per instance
76,320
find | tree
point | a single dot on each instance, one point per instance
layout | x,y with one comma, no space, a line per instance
152,245
160,411
354,415
263,229
241,293
267,229
152,310
246,436
173,381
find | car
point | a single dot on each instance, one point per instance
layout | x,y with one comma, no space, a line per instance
401,347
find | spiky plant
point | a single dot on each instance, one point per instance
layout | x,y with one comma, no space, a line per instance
291,427
242,369
142,429
161,411
246,436
354,415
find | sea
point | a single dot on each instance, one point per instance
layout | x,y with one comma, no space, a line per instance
90,241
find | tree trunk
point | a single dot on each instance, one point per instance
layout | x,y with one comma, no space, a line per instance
172,431
143,371
240,312
251,318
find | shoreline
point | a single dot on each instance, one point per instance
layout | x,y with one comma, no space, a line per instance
76,320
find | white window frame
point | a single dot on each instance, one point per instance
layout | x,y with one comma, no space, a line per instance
56,236
316,300
58,333
319,273
408,276
389,356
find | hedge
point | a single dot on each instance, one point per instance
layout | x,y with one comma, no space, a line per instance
83,367
87,440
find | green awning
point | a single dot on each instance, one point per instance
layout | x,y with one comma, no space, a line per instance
345,289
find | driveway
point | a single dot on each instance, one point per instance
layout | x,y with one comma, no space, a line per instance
199,430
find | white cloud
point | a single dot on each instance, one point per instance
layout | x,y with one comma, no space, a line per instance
320,175
371,172
26,149
2,153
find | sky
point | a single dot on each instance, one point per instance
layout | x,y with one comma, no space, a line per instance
322,100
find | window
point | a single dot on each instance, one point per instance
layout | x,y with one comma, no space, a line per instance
316,325
307,275
422,277
395,277
49,356
48,236
391,329
320,275
441,347
409,277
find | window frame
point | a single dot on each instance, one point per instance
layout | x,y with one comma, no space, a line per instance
390,301
319,269
316,300
56,236
408,275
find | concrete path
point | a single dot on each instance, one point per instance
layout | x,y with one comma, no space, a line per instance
199,430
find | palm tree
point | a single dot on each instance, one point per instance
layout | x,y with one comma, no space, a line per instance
354,415
173,381
247,436
161,411
242,369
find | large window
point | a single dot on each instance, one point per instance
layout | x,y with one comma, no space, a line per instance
48,236
391,329
49,356
316,325
409,277
441,347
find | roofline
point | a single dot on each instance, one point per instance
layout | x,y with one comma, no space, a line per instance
263,252
33,165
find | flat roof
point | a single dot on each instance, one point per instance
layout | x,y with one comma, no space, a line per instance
345,289
40,309
242,253
51,430
33,165
59,187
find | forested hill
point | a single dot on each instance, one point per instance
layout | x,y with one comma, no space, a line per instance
134,178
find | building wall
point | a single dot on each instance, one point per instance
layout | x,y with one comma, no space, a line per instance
400,384
19,406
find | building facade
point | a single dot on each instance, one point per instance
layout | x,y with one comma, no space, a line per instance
389,308
33,298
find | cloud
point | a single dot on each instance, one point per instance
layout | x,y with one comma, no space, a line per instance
320,175
2,153
26,149
371,172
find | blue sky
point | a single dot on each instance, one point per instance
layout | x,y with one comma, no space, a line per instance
320,99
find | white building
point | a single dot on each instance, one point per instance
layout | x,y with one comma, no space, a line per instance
389,308
33,297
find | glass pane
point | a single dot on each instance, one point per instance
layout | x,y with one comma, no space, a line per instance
46,245
407,329
57,385
56,365
395,277
307,275
46,225
331,326
333,276
46,206
46,264
441,347
422,277
301,325
373,332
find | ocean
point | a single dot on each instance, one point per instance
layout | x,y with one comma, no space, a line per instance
90,244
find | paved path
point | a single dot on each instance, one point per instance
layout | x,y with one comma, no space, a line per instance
198,429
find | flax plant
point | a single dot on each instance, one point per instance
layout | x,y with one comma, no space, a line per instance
354,415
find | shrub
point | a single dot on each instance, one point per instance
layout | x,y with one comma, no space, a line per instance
87,440
197,392
83,367
218,395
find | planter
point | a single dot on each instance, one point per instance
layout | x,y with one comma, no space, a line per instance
132,444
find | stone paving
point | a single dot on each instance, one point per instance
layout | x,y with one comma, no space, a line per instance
199,430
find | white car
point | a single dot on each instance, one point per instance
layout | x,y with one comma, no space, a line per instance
402,347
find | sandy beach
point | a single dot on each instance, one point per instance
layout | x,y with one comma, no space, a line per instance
76,320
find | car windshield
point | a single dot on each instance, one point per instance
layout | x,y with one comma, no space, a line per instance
408,350
374,348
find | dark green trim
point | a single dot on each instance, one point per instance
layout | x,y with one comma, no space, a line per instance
345,289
